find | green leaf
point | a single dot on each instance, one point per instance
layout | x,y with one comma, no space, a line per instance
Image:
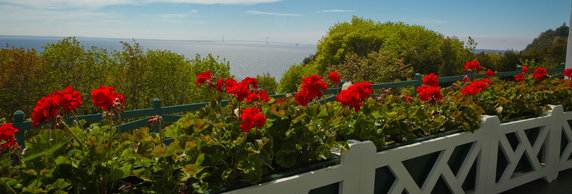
323,114
200,159
48,151
313,109
61,184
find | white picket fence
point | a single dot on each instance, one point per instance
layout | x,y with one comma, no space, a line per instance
356,172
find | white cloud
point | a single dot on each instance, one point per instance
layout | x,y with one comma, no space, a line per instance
7,13
253,12
336,11
235,2
94,4
66,4
176,17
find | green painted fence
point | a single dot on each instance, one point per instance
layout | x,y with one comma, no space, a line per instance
168,111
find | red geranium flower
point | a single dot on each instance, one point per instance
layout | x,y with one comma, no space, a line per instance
466,78
355,95
334,77
524,69
519,77
475,87
230,85
220,84
568,73
70,99
47,108
250,81
263,95
540,73
301,98
104,97
7,132
204,76
407,99
431,80
260,95
363,89
252,117
312,87
490,73
241,91
429,93
350,98
473,66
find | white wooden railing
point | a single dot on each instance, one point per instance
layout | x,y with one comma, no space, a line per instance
356,172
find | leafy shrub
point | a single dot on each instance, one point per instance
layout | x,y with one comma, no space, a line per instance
268,83
290,81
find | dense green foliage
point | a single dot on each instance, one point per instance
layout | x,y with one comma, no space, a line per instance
290,80
139,74
547,50
376,67
348,45
210,150
22,71
268,83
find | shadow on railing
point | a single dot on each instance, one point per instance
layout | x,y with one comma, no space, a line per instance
158,109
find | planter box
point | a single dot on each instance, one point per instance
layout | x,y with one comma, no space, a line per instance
495,158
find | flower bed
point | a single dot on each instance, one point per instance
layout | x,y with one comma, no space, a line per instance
456,163
255,136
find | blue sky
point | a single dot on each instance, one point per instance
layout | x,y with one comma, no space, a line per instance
494,24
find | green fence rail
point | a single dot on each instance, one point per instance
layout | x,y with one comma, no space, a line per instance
167,111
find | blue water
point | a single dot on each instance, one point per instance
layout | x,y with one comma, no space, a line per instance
246,59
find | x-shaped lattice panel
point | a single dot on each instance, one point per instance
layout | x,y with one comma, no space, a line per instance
567,131
404,180
524,146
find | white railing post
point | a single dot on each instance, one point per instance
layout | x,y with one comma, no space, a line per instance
488,136
358,168
553,146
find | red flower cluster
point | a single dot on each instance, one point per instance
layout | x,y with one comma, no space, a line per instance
104,97
7,132
490,73
568,73
519,77
364,89
243,90
204,76
540,73
524,69
407,99
252,117
259,95
334,77
48,108
350,98
429,93
220,84
312,87
431,80
355,95
475,87
473,66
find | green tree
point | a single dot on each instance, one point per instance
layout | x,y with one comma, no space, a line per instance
376,67
70,64
291,79
416,45
268,83
23,72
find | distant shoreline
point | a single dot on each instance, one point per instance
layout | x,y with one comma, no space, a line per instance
31,37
